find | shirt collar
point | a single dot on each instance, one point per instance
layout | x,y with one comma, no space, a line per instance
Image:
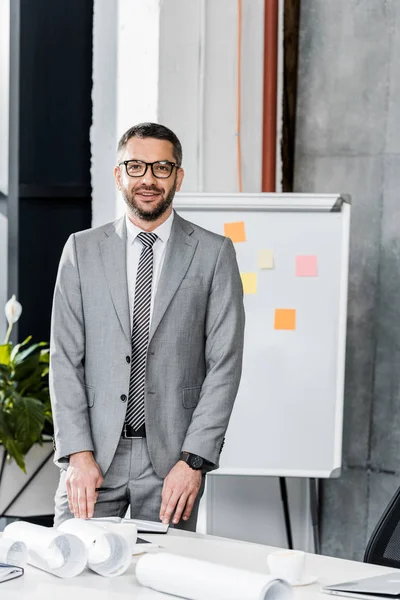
163,231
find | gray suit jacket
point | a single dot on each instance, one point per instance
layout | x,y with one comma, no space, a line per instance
195,346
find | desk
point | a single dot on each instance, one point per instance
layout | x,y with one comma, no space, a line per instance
36,584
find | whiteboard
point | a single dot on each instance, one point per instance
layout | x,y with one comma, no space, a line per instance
288,415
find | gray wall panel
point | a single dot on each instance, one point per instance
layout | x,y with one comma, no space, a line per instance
385,448
382,486
343,65
344,533
393,120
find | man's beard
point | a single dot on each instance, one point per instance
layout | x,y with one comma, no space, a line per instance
154,214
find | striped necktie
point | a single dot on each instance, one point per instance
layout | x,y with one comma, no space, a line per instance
140,332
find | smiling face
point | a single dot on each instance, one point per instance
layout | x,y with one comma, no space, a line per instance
148,198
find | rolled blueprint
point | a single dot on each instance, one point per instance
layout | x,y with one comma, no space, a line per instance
127,530
63,555
198,579
13,552
109,554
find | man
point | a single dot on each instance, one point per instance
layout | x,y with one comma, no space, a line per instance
146,348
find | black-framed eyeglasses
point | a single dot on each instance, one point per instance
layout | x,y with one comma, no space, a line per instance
162,169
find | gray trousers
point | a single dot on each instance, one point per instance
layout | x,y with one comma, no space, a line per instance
130,480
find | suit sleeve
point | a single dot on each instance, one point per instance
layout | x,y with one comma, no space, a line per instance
224,334
67,350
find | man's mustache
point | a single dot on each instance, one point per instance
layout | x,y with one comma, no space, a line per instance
148,189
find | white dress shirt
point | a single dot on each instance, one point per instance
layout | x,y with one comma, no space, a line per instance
133,251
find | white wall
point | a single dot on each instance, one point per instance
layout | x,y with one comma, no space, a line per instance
187,80
175,63
104,96
125,88
200,105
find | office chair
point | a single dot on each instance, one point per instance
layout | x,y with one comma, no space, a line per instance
383,547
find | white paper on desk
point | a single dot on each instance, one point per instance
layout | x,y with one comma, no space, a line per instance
142,526
106,519
198,579
13,552
129,532
109,554
61,554
148,526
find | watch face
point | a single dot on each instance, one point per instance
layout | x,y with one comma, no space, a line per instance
196,462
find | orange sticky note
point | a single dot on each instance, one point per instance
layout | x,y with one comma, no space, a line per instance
249,281
285,318
265,259
235,231
306,266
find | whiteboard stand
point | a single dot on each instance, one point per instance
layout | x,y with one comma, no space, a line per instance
314,512
286,511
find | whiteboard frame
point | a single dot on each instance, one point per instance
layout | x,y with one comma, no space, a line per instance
292,203
272,202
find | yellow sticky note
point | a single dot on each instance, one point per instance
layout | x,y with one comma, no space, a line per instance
249,281
235,231
285,318
265,259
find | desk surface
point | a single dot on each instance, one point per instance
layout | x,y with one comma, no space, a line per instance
36,584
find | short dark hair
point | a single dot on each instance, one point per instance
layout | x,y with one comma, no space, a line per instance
153,130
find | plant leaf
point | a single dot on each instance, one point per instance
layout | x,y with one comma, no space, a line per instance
5,353
25,406
18,346
5,371
26,368
28,420
15,452
5,431
20,357
45,356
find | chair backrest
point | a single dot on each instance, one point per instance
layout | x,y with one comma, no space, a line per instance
383,547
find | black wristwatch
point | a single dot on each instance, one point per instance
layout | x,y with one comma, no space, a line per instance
194,461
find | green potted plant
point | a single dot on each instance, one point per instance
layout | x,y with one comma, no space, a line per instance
25,410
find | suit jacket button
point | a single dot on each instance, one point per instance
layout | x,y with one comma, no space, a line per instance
123,398
128,359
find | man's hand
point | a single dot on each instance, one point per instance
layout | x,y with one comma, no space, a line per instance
83,477
180,489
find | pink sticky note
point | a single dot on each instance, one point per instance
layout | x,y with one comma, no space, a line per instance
306,266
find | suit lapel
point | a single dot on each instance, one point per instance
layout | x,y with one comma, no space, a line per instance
179,254
113,253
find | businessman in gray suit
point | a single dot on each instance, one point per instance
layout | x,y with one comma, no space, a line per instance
146,348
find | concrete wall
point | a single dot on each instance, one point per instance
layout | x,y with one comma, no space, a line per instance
348,139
